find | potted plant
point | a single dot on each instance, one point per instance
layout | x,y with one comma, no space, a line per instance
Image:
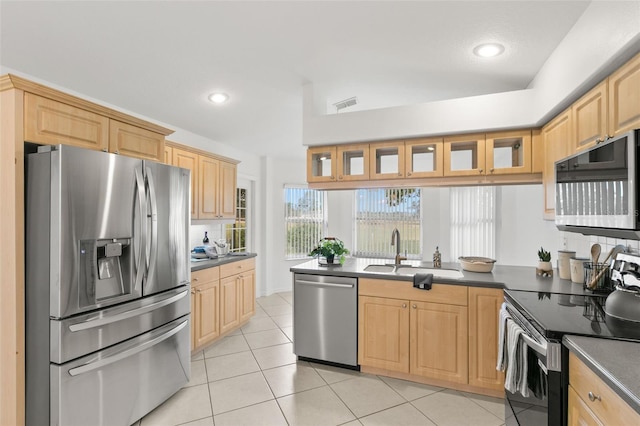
544,260
329,248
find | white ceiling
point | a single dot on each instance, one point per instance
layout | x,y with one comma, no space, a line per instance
162,59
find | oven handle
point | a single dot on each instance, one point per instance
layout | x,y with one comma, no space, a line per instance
536,346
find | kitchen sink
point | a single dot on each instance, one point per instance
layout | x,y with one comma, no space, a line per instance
380,268
441,273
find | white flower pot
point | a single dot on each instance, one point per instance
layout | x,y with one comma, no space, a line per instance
545,266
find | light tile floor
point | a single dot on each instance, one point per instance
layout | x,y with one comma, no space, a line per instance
252,378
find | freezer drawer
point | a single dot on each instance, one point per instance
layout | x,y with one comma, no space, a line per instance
123,383
325,318
83,334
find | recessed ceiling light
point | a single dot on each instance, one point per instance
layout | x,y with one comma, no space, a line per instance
488,50
218,98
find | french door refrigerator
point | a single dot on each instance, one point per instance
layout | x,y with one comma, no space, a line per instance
107,286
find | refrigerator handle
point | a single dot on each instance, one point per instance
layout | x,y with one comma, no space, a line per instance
142,205
127,352
154,223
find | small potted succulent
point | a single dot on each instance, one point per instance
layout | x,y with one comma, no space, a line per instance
329,248
544,260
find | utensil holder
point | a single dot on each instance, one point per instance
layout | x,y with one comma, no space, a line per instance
591,270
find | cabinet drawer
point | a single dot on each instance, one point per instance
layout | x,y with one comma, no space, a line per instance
439,293
609,408
51,122
205,276
238,267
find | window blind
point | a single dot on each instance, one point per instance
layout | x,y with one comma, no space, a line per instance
473,221
378,212
305,220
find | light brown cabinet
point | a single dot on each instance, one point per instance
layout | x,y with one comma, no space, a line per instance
51,122
352,162
484,307
168,154
589,118
624,99
464,155
229,304
205,302
237,293
556,136
213,183
424,158
508,152
321,164
593,401
386,160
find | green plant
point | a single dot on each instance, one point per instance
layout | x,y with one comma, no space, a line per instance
544,255
330,247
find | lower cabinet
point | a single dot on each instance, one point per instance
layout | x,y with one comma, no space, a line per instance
222,299
447,335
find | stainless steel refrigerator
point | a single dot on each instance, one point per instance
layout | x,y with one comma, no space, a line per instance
107,286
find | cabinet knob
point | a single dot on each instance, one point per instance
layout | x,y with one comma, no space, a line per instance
609,136
414,306
193,292
332,177
599,140
480,171
116,152
400,174
340,177
409,174
195,279
491,170
593,397
104,150
198,290
404,305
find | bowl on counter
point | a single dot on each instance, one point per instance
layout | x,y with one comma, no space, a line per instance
476,264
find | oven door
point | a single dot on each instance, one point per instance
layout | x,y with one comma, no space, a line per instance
544,405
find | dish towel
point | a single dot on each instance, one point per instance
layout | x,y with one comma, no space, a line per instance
423,281
523,366
513,342
503,316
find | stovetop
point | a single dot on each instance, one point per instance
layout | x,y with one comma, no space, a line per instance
555,315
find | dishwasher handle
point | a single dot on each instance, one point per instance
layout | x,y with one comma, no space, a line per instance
319,284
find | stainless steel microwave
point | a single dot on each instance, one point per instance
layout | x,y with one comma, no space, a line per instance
597,189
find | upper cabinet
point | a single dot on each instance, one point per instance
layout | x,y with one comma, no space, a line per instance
624,98
352,162
386,160
589,118
213,182
508,152
424,157
556,136
464,155
133,141
321,164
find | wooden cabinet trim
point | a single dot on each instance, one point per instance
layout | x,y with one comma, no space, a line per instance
172,144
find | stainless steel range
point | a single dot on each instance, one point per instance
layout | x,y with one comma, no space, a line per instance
107,286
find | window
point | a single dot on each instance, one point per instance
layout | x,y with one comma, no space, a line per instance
378,212
236,233
305,220
473,221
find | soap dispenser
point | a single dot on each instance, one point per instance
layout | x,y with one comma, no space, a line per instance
437,259
205,240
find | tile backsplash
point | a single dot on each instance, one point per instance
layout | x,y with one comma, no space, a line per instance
581,244
216,231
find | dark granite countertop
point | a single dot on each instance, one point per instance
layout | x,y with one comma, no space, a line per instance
210,263
614,361
520,278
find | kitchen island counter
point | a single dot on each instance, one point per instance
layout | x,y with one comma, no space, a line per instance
211,263
613,361
521,278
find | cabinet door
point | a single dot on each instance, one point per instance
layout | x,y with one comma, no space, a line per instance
227,190
508,152
189,160
229,303
579,414
50,122
439,341
424,158
206,321
383,333
624,101
589,118
209,185
387,160
484,307
353,162
556,136
133,141
464,155
247,282
321,164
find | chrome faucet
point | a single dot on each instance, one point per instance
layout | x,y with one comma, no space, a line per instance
395,241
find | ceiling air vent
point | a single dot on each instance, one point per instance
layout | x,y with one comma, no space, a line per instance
345,103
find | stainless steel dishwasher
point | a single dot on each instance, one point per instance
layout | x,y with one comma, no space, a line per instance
325,318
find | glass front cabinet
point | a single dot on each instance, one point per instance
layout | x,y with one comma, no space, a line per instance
464,155
508,152
387,160
353,162
424,157
321,164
